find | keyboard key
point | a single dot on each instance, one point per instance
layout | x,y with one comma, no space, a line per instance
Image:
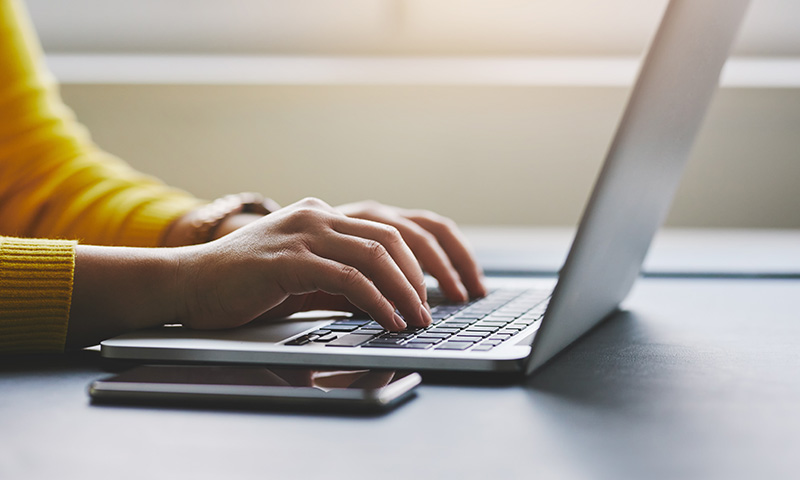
516,324
397,335
508,332
475,333
482,348
454,346
523,322
468,317
513,328
325,338
372,328
434,335
464,338
468,334
454,324
301,340
417,346
445,310
425,340
443,330
341,328
387,341
369,331
413,329
501,335
352,321
476,328
491,323
352,340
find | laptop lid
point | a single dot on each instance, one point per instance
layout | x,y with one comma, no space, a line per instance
642,170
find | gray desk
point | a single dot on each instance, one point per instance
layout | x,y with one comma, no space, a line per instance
700,378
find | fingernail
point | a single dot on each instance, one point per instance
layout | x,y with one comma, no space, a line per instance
425,314
399,322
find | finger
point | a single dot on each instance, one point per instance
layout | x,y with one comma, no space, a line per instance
432,257
391,239
373,259
321,274
456,246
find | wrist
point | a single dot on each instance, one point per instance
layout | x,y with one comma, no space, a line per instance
218,218
235,222
120,289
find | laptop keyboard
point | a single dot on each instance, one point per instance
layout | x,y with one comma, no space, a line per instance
479,325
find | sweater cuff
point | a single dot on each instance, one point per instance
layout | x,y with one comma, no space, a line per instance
35,294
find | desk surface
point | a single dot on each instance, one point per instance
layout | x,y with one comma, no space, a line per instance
698,378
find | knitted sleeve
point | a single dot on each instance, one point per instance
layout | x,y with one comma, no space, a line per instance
35,292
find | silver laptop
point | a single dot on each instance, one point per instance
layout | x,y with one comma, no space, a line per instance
523,323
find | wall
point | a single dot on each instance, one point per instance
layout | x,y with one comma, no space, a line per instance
489,152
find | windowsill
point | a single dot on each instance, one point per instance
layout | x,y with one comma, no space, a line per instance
744,72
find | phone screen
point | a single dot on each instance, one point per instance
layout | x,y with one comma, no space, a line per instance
254,386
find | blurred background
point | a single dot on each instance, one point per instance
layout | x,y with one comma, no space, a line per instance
491,112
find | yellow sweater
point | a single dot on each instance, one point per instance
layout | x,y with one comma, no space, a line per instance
56,184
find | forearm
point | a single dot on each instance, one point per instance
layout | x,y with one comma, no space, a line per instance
119,289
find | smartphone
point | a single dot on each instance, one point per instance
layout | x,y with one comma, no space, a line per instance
257,387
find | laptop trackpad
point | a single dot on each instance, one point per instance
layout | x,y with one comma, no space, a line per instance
273,331
261,331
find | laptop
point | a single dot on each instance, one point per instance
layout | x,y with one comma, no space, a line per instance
523,322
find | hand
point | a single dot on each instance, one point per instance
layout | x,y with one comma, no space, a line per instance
437,243
307,256
303,257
